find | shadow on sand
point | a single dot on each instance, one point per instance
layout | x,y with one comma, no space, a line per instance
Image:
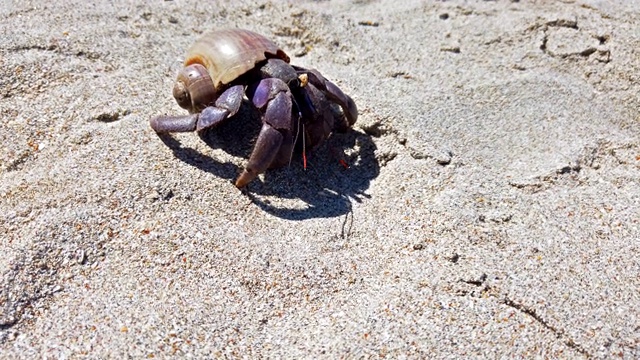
324,189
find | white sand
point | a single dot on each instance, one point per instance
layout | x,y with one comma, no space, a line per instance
492,206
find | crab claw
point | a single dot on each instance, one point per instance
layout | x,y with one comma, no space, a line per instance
274,143
265,150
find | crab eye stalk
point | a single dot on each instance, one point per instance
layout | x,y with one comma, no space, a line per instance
181,95
194,88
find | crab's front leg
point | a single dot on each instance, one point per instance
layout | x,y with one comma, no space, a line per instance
335,94
224,107
275,142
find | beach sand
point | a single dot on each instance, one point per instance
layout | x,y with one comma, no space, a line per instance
491,208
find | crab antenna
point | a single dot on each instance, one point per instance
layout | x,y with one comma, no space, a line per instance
304,148
296,139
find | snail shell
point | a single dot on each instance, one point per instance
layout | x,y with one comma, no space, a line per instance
230,53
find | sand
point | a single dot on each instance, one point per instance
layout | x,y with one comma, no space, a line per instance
491,208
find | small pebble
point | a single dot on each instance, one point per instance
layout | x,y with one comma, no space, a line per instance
369,23
154,195
453,257
81,257
444,157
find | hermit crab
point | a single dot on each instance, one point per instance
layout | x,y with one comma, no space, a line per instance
299,108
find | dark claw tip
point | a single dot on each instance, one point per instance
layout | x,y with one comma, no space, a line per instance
245,178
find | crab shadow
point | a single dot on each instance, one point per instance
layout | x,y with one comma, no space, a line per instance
338,172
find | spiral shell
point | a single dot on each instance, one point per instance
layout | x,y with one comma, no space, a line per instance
230,53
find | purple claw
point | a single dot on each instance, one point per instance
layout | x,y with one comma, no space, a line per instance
278,115
286,150
231,99
262,93
211,116
275,142
278,112
266,90
264,152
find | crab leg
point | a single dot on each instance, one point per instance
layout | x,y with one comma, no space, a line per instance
265,150
273,98
333,92
225,106
180,123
